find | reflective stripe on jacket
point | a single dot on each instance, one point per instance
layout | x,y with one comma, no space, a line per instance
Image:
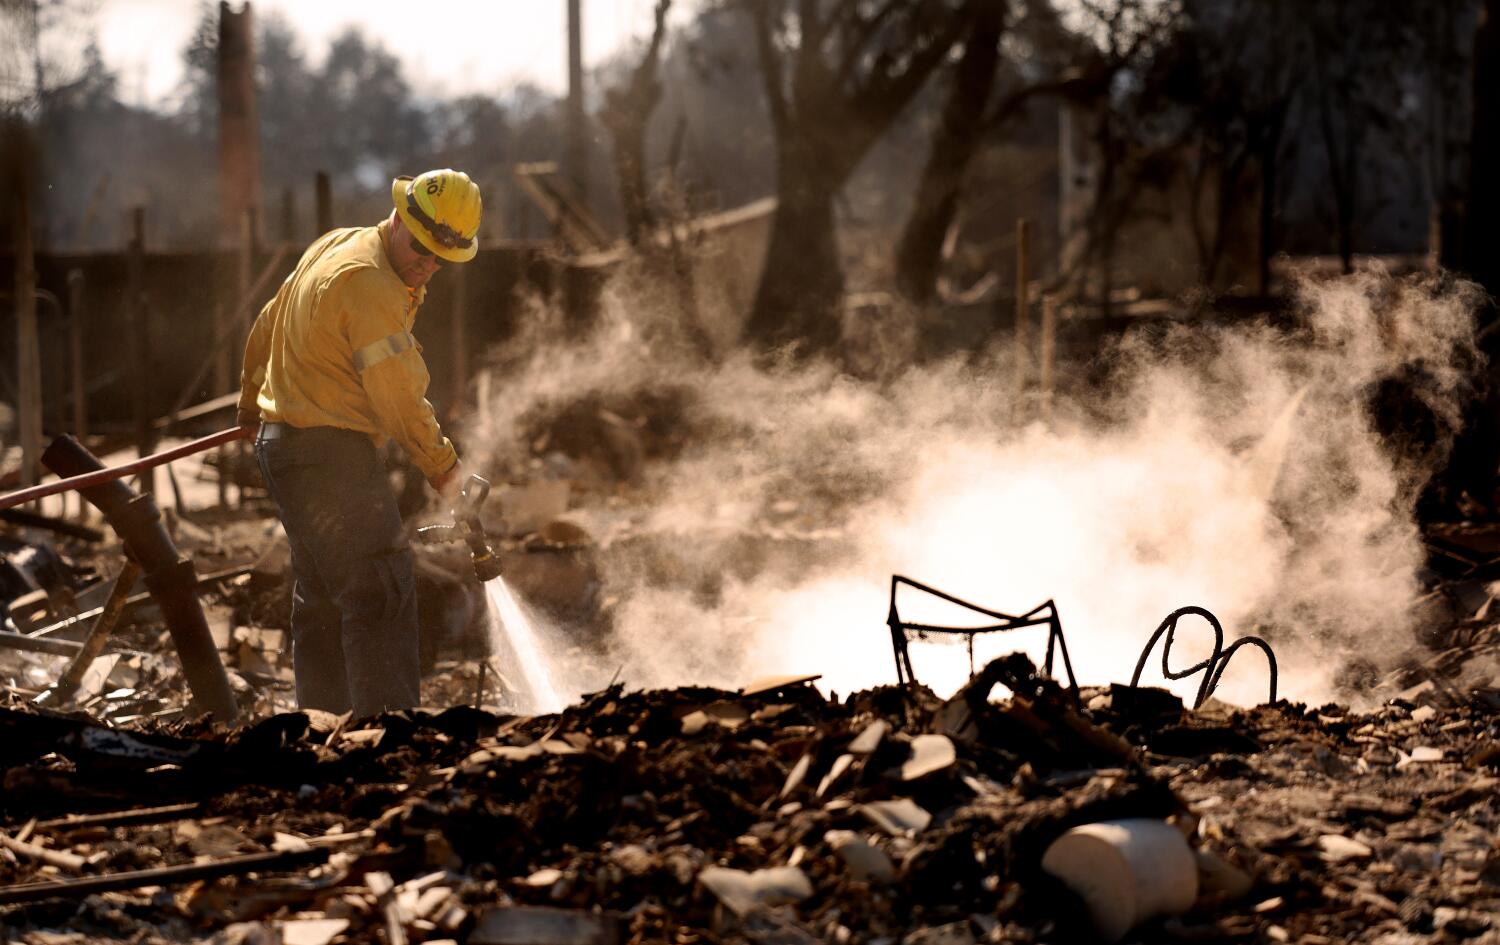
334,348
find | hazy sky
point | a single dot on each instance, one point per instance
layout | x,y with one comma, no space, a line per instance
446,46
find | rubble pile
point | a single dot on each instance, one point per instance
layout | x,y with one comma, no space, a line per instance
245,584
769,815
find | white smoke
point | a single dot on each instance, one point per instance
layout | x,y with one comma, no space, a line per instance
1235,468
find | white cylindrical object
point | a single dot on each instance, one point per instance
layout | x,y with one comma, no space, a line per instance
1126,871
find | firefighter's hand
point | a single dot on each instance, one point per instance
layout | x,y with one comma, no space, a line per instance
446,484
249,419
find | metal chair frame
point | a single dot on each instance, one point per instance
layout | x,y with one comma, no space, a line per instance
1044,614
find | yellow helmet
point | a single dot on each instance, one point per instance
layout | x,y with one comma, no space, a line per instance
442,210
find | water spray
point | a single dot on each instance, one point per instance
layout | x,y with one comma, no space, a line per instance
511,629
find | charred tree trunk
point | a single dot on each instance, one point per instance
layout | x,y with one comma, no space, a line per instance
630,173
1231,177
627,112
834,84
919,252
1342,136
797,301
1108,215
1481,245
1270,166
1343,161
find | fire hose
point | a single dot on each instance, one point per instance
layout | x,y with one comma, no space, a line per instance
111,473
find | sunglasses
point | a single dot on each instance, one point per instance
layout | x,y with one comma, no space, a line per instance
420,250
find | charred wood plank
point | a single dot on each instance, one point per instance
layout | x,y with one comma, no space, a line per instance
93,646
26,735
60,526
122,818
32,790
134,599
169,573
19,641
163,876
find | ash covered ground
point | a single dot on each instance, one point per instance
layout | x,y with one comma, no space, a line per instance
679,528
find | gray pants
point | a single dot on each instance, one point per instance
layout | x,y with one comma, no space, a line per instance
354,608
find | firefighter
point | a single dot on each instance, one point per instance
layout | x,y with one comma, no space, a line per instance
331,368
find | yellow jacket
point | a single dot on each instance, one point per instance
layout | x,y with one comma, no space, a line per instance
334,348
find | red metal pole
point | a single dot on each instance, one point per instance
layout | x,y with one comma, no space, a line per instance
126,469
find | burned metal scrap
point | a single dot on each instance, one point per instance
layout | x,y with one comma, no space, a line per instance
1042,615
1213,665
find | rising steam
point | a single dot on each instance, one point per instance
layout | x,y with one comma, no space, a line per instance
1236,468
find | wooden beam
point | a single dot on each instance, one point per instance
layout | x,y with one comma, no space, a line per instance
47,522
134,599
77,367
122,818
163,876
207,408
99,634
242,311
1023,308
19,641
28,343
138,345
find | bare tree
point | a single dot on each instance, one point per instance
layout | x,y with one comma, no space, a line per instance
836,74
627,111
1355,94
1127,33
1481,250
973,114
954,141
1235,69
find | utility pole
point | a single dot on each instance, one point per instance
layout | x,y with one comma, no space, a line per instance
576,131
240,213
239,125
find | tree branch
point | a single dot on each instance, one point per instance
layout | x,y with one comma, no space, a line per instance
1074,84
810,25
860,38
884,96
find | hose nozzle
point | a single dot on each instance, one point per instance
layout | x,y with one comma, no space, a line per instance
468,527
486,566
